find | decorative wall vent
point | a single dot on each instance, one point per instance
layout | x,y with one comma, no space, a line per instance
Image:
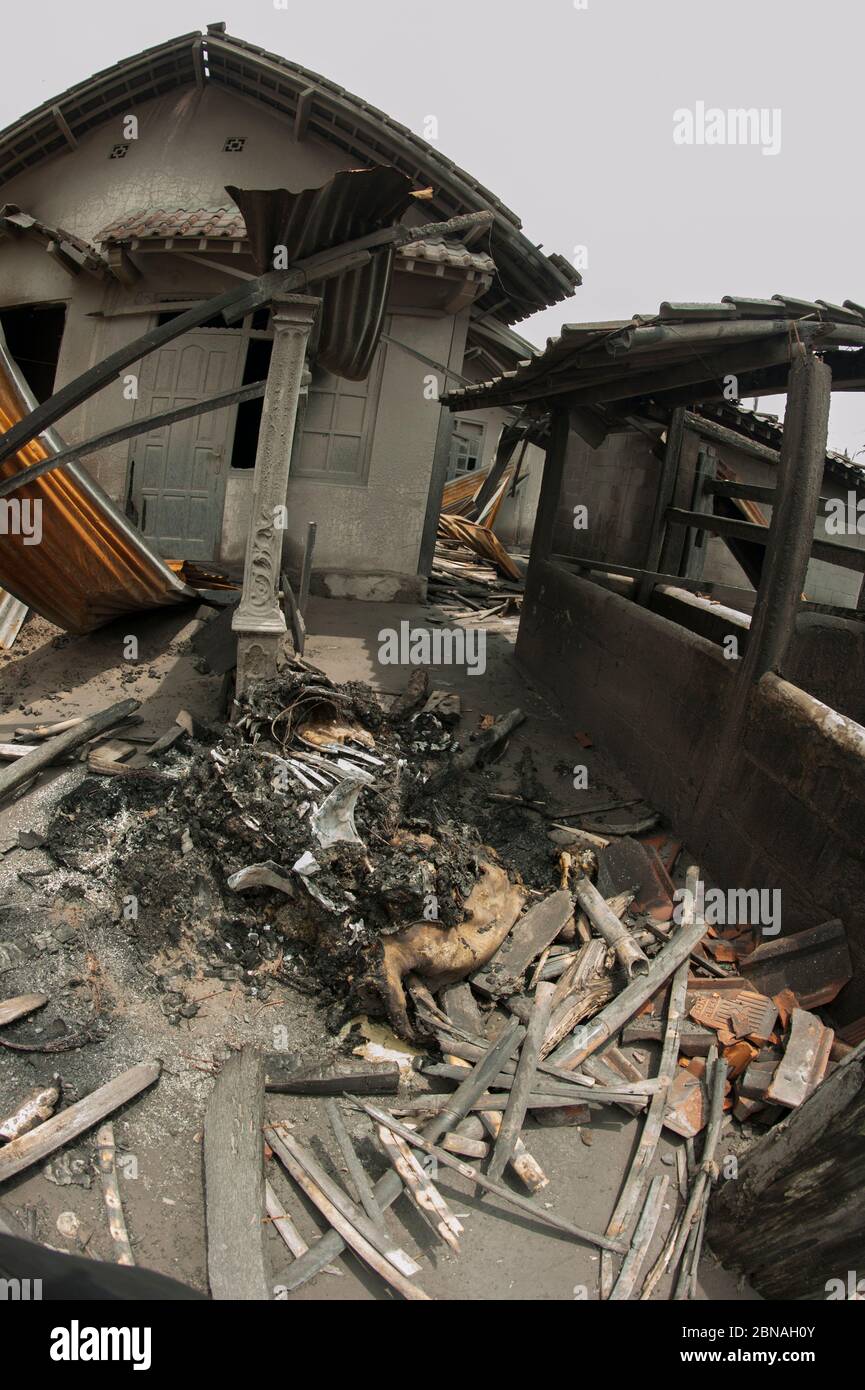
234,144
119,151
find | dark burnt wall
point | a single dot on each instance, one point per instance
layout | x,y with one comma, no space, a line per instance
654,694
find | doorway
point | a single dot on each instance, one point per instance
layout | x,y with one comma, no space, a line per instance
177,474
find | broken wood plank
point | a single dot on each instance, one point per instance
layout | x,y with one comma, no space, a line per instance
419,1140
237,1265
106,1152
349,1235
425,1195
526,1072
75,1119
528,937
694,1041
612,1018
646,1226
284,1144
475,753
283,1223
40,731
537,1100
462,1009
613,931
716,1077
638,1174
382,1080
818,1151
356,1170
22,1004
804,1063
388,1188
25,768
464,1146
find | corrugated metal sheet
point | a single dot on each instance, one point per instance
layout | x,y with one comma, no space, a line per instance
12,615
351,205
91,565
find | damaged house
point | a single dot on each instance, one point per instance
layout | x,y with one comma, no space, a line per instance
269,355
114,217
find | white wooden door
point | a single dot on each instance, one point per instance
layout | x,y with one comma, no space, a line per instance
179,472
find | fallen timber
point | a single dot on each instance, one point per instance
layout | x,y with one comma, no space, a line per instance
615,1015
481,1180
388,1188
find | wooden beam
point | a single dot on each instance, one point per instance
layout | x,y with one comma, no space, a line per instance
846,556
818,1152
13,777
122,268
63,126
663,497
63,259
237,1265
303,112
791,535
75,1119
721,434
143,425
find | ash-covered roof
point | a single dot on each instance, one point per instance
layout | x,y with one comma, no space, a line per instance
683,354
313,107
228,224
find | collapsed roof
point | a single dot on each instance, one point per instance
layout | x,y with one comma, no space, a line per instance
683,354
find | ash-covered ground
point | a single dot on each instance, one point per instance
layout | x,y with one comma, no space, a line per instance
161,856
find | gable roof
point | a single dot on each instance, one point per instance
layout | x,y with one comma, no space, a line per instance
527,280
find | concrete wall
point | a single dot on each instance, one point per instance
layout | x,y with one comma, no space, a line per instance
370,530
655,696
617,483
826,656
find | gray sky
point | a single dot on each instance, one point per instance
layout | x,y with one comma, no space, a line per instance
567,113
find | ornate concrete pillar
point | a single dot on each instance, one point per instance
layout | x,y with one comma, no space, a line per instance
258,620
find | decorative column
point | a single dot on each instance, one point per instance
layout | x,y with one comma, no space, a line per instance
259,620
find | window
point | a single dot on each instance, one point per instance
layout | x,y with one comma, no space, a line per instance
467,449
33,336
336,427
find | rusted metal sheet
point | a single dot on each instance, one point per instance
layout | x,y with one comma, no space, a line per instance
352,204
815,964
90,564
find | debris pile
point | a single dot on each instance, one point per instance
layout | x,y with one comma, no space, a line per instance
323,841
313,827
